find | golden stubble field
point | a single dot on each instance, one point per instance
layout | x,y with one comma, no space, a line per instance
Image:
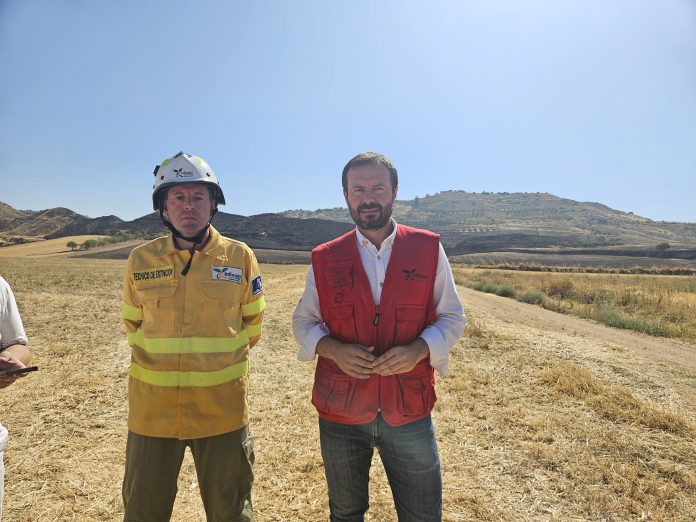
532,424
48,247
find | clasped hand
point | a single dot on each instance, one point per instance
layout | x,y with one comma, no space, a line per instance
358,361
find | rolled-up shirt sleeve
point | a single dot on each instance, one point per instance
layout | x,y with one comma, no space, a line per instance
307,323
450,323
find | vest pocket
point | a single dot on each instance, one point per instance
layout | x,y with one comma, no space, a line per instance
342,321
410,321
416,393
331,393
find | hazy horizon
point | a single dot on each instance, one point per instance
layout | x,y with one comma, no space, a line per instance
225,210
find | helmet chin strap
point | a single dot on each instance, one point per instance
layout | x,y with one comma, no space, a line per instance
192,239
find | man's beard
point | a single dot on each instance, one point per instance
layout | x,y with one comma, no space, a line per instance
371,222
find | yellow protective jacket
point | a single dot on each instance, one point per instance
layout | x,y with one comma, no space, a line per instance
190,336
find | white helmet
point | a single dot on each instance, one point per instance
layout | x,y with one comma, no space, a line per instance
184,168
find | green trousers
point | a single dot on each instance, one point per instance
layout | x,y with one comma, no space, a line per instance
223,466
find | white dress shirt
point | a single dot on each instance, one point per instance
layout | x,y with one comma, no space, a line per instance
11,328
308,325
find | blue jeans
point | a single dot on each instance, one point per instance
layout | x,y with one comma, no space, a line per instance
410,459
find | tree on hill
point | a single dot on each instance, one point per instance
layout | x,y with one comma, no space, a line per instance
71,245
662,248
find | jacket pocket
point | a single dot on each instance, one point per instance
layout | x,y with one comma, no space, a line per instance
152,295
222,299
416,390
158,308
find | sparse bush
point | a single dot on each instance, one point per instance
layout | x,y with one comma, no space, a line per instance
492,288
505,291
485,286
658,304
610,316
561,288
534,297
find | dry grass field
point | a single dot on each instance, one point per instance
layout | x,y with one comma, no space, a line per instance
532,423
660,305
43,248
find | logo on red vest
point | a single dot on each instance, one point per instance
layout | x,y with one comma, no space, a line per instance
413,275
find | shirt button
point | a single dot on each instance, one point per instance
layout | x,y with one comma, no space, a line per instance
379,257
382,283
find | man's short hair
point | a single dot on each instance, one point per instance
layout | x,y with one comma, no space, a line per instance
371,158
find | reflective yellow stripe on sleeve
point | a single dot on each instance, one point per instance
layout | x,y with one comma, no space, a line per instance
254,330
188,344
199,379
255,307
132,313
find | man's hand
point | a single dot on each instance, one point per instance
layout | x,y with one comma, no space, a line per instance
354,359
401,359
10,362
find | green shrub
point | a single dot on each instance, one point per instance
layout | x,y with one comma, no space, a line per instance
534,297
505,291
492,288
485,286
613,317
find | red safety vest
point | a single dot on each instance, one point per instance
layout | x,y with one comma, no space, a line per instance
350,313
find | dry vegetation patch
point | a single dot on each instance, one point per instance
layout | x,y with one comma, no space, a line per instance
45,247
531,425
660,305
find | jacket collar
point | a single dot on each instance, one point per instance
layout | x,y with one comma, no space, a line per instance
213,247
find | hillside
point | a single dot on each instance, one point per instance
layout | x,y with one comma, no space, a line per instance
40,224
506,220
9,215
469,223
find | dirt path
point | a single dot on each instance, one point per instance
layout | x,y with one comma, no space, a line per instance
671,363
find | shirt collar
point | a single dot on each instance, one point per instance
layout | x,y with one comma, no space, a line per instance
366,243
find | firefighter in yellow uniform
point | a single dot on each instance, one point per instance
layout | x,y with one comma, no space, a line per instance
193,305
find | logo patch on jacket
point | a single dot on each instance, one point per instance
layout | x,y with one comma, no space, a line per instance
153,274
226,273
256,286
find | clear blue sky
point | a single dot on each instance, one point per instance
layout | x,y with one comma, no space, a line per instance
594,100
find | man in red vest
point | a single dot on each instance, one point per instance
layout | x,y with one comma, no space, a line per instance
381,310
